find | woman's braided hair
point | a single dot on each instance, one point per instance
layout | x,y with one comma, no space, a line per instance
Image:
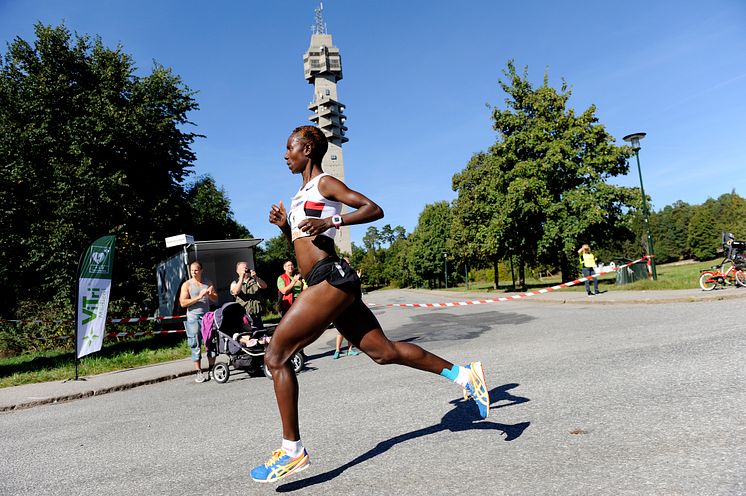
314,136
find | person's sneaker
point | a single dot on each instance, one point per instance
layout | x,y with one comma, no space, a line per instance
200,378
353,352
335,355
590,294
279,466
597,293
476,389
208,375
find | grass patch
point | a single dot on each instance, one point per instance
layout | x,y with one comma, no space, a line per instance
673,276
128,353
670,276
60,365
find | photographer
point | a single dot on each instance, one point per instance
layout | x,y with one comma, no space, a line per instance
246,291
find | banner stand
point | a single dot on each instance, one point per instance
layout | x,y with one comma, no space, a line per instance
94,273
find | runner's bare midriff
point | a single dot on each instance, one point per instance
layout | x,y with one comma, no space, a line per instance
311,249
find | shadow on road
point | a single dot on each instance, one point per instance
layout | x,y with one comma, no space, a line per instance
462,417
444,326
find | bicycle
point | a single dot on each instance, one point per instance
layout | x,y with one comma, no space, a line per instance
728,273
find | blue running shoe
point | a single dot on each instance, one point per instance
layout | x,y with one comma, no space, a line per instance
476,389
280,466
353,352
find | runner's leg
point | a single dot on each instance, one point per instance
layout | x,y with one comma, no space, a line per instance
361,328
306,320
358,324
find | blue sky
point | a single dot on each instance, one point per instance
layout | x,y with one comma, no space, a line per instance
417,78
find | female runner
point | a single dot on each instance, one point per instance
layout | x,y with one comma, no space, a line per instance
333,295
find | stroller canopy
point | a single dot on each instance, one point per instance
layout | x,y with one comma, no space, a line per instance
230,317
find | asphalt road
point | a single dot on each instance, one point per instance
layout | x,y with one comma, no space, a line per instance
586,399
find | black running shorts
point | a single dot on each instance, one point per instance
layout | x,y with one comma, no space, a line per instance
337,272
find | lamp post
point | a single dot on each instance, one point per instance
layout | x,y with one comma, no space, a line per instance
634,141
445,259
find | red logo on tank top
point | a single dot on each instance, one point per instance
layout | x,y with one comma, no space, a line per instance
313,209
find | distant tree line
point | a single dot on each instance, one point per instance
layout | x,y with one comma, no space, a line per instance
418,259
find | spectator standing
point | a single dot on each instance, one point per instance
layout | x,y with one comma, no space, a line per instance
588,264
196,295
247,292
289,286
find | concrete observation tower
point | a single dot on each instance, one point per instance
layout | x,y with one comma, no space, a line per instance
322,66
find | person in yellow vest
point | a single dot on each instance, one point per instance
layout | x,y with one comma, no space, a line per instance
588,264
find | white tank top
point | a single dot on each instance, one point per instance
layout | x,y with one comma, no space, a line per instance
308,203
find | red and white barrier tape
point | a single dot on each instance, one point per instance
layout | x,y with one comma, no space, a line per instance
123,334
142,333
126,320
513,297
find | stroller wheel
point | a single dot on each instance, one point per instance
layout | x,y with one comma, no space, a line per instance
221,372
297,361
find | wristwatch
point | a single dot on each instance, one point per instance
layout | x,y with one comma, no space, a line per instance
337,221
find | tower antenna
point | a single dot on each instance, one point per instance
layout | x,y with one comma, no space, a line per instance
319,26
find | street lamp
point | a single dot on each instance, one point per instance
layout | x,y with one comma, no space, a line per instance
634,141
445,259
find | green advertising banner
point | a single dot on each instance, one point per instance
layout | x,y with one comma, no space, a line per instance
94,284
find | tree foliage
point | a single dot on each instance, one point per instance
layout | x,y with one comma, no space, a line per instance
541,191
88,148
382,259
428,243
703,234
271,258
710,219
670,229
211,213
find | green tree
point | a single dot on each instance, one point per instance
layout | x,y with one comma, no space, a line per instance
395,271
670,230
372,239
428,243
271,258
370,264
211,214
541,190
729,211
474,232
704,233
87,148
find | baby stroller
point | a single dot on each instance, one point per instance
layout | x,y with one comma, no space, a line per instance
228,332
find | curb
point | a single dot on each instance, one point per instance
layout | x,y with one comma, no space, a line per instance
93,392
